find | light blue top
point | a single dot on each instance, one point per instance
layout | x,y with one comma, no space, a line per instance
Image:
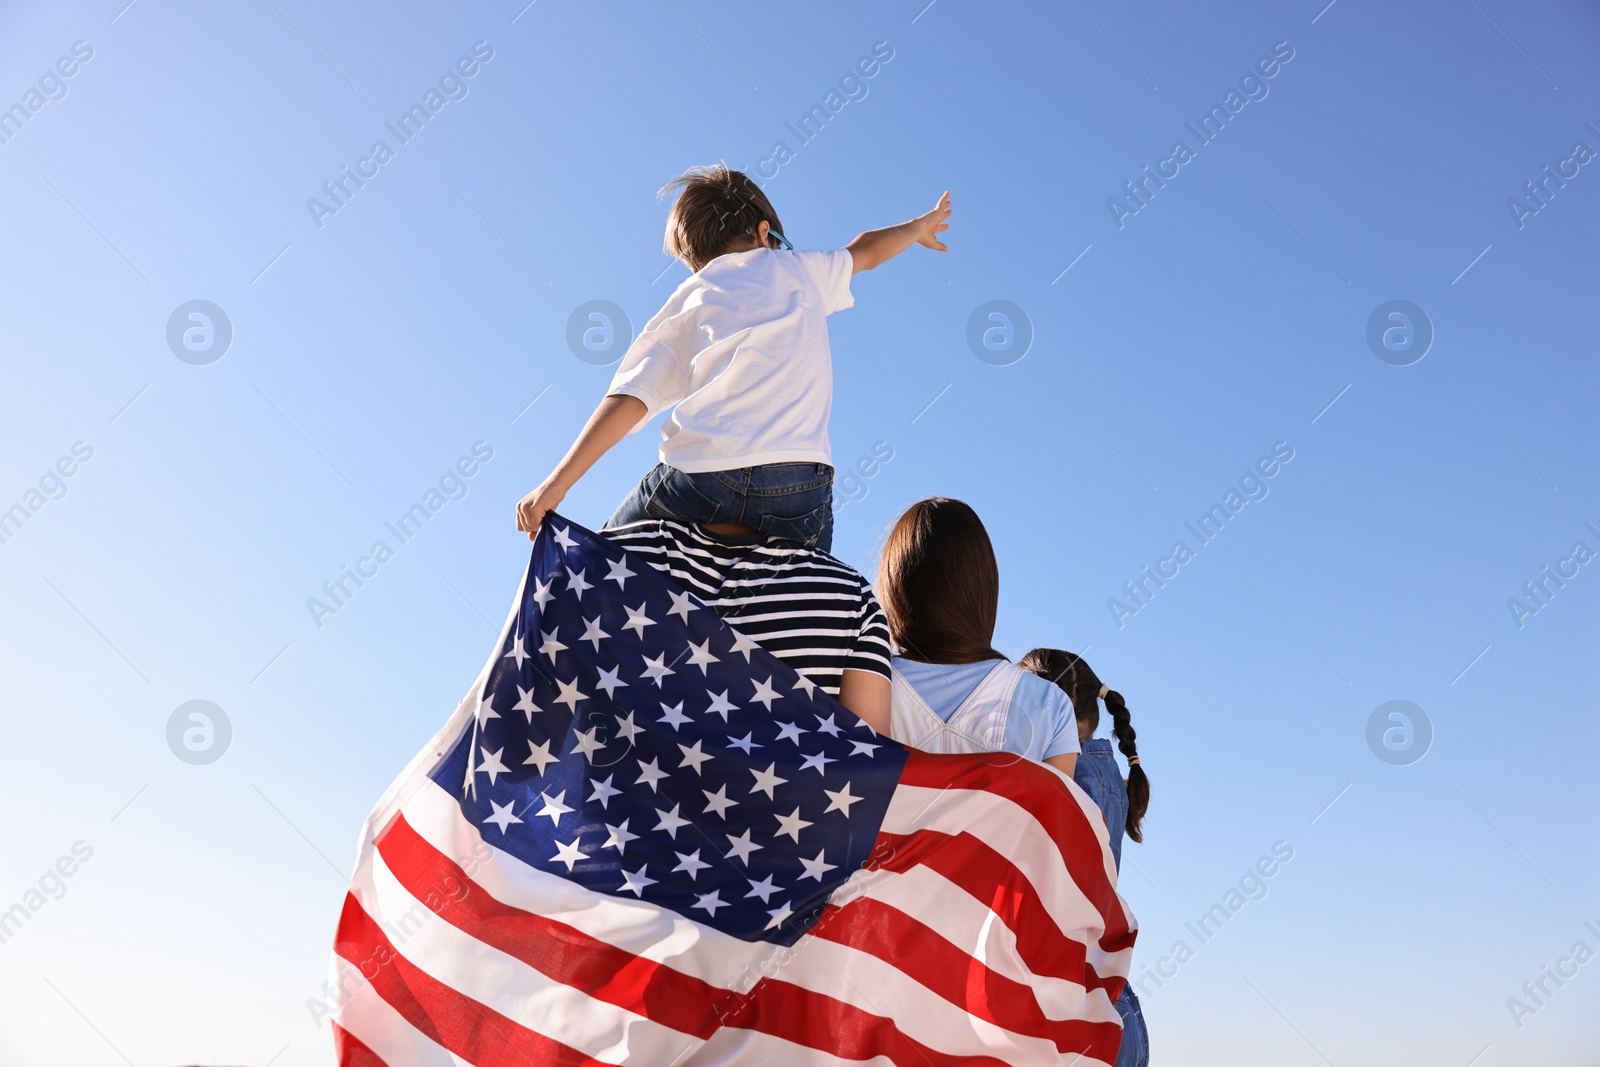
1039,708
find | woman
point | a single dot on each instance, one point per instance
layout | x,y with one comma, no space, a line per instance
952,692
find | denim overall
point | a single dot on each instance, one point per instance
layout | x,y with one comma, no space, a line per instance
1098,775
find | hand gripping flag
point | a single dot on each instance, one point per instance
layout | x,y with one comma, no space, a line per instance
643,839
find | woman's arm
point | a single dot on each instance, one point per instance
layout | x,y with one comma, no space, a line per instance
877,247
610,423
1066,764
867,694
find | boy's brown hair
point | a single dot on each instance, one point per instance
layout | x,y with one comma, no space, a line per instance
717,210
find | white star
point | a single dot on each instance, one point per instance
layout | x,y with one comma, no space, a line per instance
564,539
721,705
741,643
525,703
486,711
763,889
765,694
682,604
673,716
491,764
650,774
828,726
588,743
710,901
657,669
555,807
718,802
840,800
745,743
627,730
862,748
541,592
789,731
570,694
743,846
818,762
518,652
592,632
791,825
815,868
636,881
603,791
576,584
611,681
779,914
808,685
637,620
619,572
672,822
619,837
502,816
569,854
700,655
766,780
690,862
551,646
540,756
692,757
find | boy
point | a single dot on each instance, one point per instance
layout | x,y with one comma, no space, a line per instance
740,354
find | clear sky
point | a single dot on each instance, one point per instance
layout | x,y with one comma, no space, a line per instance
1176,339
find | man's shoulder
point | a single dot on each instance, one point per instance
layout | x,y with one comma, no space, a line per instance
690,540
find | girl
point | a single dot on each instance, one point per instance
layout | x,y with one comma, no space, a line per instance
1124,803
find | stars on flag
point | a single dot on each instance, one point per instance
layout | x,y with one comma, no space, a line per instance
840,800
502,817
592,632
693,757
551,646
518,652
555,807
619,572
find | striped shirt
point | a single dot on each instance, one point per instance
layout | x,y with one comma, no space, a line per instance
812,611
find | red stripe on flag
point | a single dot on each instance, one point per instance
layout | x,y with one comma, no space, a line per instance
1036,789
998,885
956,975
660,993
351,1052
476,1033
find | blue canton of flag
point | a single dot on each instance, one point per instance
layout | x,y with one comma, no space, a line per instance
631,741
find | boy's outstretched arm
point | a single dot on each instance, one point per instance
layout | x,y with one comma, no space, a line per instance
876,247
610,423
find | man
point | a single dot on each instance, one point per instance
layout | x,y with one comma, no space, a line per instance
809,609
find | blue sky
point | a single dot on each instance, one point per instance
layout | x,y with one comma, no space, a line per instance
1227,314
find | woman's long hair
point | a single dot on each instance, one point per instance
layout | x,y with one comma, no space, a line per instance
1083,686
940,584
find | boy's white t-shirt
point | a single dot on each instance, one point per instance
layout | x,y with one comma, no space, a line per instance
741,349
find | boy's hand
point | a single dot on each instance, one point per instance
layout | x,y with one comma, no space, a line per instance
532,508
933,224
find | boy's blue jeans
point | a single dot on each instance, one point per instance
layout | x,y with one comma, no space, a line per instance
789,500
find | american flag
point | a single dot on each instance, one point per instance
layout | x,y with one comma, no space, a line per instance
643,839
